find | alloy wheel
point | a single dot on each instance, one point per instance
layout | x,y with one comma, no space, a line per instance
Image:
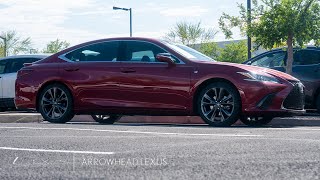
217,104
54,103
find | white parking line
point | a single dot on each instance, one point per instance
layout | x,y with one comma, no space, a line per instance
136,132
56,151
296,128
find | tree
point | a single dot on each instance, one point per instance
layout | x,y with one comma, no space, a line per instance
295,22
56,46
210,49
15,44
190,33
235,52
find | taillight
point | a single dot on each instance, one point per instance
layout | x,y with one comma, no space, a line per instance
24,71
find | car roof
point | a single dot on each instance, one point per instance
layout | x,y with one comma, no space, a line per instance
307,47
38,56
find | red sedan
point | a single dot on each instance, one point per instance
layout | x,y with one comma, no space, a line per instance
139,76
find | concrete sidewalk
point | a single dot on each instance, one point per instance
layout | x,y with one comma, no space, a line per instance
17,117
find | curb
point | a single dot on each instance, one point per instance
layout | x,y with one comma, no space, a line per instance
20,118
307,120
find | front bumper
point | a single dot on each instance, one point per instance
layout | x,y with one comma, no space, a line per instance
276,100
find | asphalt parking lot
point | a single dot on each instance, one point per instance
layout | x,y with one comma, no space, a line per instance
79,150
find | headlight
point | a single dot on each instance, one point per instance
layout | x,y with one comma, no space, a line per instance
259,77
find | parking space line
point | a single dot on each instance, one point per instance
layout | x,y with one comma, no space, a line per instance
56,151
136,132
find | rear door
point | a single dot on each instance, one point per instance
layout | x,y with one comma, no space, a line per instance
93,73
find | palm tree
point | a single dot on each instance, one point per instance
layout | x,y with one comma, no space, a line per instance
15,44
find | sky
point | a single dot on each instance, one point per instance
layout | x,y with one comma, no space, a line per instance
78,21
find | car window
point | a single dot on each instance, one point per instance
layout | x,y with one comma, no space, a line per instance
139,51
306,57
106,51
15,65
270,60
2,66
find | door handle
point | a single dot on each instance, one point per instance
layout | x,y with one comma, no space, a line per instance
71,69
129,70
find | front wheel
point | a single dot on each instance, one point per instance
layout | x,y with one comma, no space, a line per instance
55,104
255,121
106,119
219,104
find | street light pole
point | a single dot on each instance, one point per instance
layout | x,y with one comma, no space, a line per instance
130,11
5,45
249,24
130,22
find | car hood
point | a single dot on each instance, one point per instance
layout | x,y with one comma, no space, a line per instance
255,69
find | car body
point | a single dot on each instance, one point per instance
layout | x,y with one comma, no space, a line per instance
9,67
142,76
306,68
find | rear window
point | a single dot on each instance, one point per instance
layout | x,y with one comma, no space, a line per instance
306,57
107,51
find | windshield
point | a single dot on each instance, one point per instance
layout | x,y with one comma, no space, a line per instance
188,52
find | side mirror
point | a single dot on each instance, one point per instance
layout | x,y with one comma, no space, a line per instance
165,57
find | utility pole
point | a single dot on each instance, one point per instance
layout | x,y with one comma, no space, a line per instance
249,24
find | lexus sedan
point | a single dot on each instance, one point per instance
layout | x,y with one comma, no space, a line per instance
109,78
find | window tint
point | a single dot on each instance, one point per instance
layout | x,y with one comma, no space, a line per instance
306,57
137,51
2,66
16,64
107,51
270,60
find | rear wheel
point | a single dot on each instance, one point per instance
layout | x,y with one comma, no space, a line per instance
255,121
106,119
56,104
219,104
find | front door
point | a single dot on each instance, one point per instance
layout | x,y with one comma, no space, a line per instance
148,84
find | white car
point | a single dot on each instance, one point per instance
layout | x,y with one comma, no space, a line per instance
9,66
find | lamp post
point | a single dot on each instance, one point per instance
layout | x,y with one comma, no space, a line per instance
249,24
5,45
126,9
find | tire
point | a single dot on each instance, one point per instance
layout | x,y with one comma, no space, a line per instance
56,104
106,119
3,109
255,121
219,104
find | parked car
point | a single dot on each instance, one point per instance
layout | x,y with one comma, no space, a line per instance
8,74
141,76
306,67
